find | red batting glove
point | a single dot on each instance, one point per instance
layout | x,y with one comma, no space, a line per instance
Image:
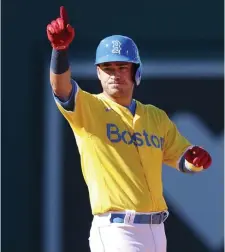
198,157
59,32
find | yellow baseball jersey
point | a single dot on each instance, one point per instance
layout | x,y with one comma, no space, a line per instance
122,154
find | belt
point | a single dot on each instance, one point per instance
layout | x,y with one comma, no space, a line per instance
151,218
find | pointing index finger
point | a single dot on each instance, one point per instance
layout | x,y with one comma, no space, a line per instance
64,15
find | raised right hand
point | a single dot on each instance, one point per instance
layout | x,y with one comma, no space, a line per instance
59,32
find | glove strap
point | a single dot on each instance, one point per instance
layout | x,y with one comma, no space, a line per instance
59,61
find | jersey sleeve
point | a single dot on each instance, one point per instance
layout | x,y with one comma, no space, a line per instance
75,107
175,144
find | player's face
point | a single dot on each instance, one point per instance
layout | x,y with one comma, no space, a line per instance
116,78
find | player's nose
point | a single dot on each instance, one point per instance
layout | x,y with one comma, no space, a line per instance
116,74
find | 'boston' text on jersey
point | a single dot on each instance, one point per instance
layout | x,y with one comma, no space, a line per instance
137,138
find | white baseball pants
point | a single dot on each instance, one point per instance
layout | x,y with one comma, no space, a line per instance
125,237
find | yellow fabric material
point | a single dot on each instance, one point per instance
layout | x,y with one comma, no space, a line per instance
122,154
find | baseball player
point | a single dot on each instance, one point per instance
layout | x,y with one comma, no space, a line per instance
122,144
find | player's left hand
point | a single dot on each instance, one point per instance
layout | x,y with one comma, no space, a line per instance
198,157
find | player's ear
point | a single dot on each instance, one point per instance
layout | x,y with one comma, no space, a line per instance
98,72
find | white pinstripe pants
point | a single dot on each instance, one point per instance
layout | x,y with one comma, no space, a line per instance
125,237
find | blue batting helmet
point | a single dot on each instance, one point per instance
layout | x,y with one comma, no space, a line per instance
119,48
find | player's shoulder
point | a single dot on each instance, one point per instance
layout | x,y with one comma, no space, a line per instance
152,109
89,97
91,101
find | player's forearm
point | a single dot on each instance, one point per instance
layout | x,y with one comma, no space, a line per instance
61,84
60,74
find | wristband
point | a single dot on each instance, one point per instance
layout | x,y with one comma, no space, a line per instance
59,61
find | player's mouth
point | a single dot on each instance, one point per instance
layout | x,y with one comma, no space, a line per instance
116,83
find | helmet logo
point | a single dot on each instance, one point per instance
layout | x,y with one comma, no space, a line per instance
116,46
